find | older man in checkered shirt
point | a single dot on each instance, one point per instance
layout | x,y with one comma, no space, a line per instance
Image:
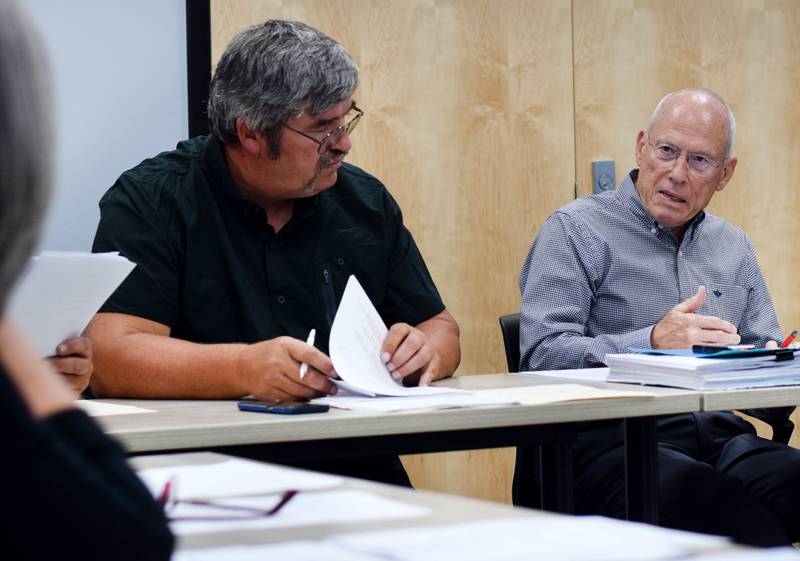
646,266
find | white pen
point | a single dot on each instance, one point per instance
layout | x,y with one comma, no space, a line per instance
304,366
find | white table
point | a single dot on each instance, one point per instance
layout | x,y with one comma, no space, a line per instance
197,425
444,509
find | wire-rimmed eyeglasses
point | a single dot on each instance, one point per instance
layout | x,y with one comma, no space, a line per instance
699,164
352,118
168,500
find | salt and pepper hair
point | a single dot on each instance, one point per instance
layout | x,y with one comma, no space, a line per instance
277,70
25,144
731,119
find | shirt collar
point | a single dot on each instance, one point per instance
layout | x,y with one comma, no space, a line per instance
629,195
222,180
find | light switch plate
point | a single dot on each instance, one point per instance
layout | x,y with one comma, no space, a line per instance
603,175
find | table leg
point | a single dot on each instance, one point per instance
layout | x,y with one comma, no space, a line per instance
641,470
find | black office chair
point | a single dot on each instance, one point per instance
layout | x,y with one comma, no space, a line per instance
526,487
509,325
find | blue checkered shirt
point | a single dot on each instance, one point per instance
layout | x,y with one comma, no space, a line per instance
601,273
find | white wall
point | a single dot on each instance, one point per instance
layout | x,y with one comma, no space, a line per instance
119,74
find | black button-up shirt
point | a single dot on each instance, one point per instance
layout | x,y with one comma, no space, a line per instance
212,269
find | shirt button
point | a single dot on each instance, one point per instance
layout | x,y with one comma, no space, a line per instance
680,253
273,245
653,230
281,299
340,261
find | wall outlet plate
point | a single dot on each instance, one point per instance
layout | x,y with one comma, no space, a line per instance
603,176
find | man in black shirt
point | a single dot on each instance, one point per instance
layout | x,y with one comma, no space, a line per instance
244,241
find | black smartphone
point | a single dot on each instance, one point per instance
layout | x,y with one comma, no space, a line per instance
710,349
283,407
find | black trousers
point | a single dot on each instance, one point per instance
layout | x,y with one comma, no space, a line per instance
715,476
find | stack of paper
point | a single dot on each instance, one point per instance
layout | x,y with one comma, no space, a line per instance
682,369
60,293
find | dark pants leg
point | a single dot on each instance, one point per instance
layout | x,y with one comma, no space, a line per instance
694,495
769,470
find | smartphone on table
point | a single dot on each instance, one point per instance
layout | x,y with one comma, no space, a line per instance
283,407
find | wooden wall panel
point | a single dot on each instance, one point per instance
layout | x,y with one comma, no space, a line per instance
470,125
628,54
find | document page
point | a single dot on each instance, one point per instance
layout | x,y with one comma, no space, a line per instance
61,291
417,403
95,408
588,374
557,393
305,509
233,478
559,538
356,339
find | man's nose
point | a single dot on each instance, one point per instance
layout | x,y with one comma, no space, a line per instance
341,142
680,169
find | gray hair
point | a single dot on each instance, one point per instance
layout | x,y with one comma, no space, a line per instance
273,71
25,144
731,119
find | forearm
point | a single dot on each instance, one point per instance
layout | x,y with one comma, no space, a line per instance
41,389
146,365
567,350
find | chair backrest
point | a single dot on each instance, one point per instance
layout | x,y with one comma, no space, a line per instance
509,325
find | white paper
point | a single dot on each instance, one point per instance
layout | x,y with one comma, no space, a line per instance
356,339
97,408
557,393
415,403
286,551
588,374
233,478
61,291
512,539
305,509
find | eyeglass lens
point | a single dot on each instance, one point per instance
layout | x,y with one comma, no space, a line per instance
698,163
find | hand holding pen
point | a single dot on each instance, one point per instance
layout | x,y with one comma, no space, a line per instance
310,341
273,370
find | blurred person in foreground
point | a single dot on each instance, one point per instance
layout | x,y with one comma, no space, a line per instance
69,492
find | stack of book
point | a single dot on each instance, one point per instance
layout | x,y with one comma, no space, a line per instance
702,371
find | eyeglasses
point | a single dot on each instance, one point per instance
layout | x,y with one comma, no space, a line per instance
168,500
352,118
698,164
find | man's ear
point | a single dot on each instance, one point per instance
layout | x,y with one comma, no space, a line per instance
250,140
640,142
727,173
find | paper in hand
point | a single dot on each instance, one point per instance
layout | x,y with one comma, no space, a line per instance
355,344
61,291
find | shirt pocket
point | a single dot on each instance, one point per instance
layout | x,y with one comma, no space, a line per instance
726,301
